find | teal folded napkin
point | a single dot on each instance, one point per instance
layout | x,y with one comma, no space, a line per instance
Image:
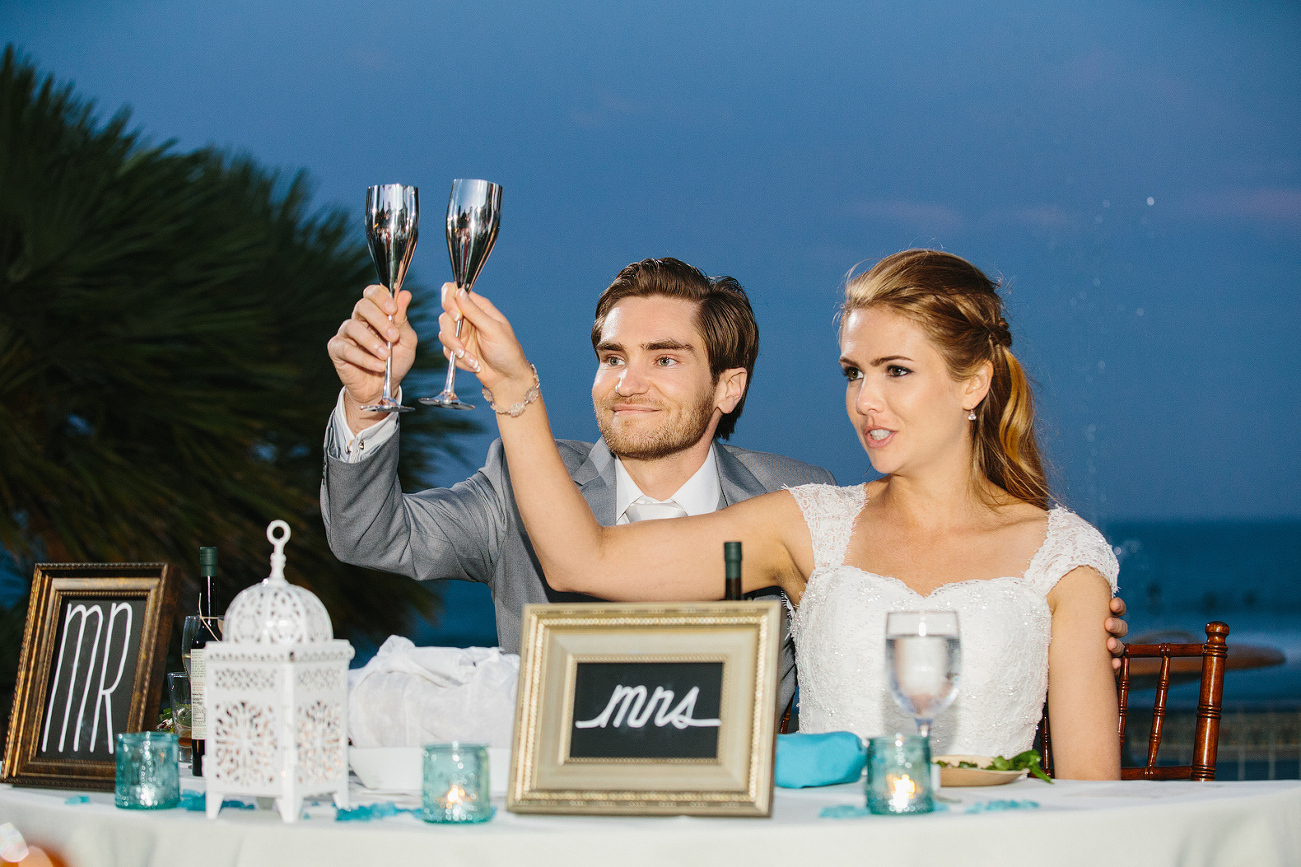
819,759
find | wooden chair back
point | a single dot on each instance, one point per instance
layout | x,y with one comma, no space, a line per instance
1206,733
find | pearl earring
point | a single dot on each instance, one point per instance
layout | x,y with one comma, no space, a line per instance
971,416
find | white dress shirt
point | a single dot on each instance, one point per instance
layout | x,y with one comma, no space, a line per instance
352,447
698,495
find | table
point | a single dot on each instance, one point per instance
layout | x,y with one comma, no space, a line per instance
1086,823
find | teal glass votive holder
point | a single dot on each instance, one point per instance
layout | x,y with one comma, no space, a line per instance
899,774
455,783
148,775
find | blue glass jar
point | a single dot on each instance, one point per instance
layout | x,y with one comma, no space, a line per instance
899,774
455,783
148,776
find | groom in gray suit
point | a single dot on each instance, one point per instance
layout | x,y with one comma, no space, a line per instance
675,353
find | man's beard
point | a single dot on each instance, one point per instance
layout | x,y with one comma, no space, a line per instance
680,434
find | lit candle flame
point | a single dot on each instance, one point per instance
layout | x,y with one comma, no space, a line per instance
455,795
904,790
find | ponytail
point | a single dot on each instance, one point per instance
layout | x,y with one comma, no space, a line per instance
1006,451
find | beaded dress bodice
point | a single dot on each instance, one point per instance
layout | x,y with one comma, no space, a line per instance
1005,625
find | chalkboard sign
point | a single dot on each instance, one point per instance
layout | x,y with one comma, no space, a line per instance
647,710
91,667
94,669
638,708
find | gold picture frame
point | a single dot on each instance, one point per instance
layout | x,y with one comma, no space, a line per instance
102,687
587,742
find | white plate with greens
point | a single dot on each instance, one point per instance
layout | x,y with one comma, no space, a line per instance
977,772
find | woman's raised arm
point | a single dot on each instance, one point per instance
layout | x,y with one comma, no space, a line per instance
665,560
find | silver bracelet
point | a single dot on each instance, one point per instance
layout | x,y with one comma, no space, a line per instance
515,410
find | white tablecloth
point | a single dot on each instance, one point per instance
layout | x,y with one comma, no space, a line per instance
1095,824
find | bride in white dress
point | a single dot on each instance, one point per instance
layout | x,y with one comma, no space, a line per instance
961,520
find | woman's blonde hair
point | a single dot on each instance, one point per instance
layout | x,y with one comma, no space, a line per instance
958,308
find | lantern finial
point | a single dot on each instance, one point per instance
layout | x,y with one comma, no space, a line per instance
277,575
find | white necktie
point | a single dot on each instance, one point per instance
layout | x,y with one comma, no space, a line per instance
645,509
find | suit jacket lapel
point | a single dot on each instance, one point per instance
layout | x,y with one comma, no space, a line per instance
595,479
735,481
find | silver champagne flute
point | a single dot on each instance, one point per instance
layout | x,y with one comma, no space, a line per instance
473,216
392,220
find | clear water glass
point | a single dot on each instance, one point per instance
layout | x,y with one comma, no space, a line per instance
215,626
455,783
923,661
178,689
899,774
148,776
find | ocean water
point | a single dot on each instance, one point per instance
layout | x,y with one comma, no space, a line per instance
1221,568
1179,576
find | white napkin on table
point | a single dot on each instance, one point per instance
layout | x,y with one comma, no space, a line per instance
408,696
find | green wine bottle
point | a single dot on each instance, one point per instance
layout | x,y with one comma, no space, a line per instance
207,631
731,571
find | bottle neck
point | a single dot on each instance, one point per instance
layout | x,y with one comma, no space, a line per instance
208,596
731,570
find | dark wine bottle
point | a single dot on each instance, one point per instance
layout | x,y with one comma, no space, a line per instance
206,631
731,571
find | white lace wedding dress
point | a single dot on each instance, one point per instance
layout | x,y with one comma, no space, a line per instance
1005,625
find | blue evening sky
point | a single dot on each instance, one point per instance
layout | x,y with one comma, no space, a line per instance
1131,171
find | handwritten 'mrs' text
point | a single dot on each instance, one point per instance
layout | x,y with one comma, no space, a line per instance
629,704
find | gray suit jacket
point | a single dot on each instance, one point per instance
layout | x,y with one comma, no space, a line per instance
473,531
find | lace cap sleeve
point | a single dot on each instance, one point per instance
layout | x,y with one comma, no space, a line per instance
829,512
1072,542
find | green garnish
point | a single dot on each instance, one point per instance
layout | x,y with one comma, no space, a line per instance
1026,761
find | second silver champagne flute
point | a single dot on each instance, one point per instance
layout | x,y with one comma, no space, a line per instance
473,216
392,221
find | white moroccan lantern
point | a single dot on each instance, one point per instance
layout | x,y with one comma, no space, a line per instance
277,697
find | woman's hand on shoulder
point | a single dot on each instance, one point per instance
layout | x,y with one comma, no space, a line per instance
1117,629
